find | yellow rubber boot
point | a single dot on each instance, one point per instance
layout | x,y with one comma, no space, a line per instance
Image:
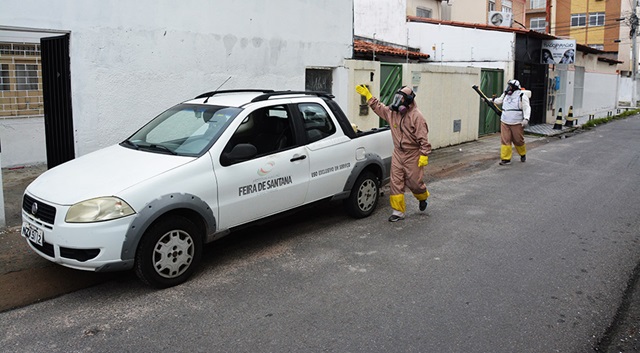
397,203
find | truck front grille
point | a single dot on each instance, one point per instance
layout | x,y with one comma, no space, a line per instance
43,212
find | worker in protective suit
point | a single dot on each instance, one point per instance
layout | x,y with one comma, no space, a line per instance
516,111
411,147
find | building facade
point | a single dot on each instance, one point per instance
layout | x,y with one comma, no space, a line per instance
130,61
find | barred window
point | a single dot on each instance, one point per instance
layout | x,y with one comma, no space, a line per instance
4,77
423,12
26,77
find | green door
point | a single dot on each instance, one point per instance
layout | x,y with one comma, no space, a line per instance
390,82
490,84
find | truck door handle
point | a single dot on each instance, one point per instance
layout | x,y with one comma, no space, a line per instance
298,158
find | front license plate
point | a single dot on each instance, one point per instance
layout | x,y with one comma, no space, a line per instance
32,233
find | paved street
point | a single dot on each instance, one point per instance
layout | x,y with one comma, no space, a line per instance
533,257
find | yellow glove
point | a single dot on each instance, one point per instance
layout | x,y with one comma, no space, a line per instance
364,91
423,161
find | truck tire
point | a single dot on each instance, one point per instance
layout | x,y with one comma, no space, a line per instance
364,196
168,252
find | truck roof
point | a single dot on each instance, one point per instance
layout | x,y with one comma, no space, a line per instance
240,97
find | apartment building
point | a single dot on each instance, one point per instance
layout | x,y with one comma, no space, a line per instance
536,15
594,23
470,11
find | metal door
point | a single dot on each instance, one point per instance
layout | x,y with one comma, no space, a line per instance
534,77
56,87
490,84
390,82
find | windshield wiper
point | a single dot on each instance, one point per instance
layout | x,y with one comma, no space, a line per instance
160,148
131,143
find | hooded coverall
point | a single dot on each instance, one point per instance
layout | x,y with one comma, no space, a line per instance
515,109
409,135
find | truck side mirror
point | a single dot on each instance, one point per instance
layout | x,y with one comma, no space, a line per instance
240,152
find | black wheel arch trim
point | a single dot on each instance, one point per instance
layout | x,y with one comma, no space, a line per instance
159,207
382,169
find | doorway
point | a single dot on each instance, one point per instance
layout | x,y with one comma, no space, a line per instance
56,85
490,84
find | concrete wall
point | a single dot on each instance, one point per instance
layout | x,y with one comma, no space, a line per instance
600,92
451,44
381,19
132,60
439,93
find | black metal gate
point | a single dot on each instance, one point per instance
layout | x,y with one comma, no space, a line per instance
532,75
56,87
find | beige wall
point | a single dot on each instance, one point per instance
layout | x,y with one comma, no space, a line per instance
474,11
434,5
439,91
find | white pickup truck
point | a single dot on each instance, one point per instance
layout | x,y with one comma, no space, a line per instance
197,171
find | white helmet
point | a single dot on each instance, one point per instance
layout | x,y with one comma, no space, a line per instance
514,83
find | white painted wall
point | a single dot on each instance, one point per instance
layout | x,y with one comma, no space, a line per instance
132,60
599,93
461,45
381,19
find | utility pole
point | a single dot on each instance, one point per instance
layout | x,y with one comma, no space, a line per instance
548,17
634,53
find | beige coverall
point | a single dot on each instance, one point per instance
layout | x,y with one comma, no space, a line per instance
409,134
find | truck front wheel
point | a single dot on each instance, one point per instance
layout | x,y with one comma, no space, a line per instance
168,252
364,196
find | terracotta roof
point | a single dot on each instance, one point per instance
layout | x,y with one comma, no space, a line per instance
368,48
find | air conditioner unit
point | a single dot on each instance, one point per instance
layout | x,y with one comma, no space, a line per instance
501,19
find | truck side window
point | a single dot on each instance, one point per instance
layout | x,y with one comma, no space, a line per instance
267,129
317,123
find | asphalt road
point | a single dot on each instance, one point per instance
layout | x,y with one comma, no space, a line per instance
533,257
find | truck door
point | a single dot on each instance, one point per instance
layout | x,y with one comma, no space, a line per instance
331,155
274,180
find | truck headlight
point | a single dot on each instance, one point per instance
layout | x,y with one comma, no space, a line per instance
97,210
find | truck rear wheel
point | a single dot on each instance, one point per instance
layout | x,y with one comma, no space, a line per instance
168,252
364,196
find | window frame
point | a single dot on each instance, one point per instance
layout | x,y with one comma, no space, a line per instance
426,9
538,28
595,17
577,18
537,4
26,76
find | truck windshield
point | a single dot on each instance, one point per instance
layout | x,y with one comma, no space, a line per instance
184,130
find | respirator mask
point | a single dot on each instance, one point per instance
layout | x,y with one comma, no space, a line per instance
402,101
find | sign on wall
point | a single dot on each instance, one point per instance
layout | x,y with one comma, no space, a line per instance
559,51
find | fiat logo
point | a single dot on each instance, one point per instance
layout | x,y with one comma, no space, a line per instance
34,208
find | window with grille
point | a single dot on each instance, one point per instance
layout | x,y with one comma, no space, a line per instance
423,12
538,4
578,19
537,24
596,19
4,77
319,80
26,77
